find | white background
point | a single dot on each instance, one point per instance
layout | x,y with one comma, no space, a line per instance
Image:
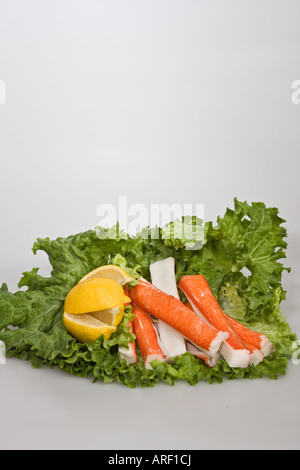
164,101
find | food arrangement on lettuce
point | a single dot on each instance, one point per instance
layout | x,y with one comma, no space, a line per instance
142,310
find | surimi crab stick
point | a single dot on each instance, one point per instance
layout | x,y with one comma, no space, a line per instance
256,354
259,340
171,341
163,276
129,354
146,336
172,311
199,294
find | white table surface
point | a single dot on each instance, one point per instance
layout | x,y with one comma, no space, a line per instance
164,102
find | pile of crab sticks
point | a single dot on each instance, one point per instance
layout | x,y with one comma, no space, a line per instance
165,327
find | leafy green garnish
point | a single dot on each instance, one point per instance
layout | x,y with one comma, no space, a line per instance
239,256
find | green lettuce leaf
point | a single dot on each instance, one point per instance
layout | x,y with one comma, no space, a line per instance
240,256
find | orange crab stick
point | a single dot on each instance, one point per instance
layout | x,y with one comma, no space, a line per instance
256,355
172,311
129,354
146,336
259,340
163,276
199,294
253,339
211,361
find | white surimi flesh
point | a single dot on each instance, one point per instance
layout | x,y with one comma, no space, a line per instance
128,354
235,357
256,357
266,347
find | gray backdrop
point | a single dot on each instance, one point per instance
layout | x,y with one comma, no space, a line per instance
162,101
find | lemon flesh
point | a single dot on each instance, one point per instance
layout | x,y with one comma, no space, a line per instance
110,316
84,327
96,294
94,307
109,271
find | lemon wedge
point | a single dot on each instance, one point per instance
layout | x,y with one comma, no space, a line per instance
84,327
94,307
109,271
95,294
